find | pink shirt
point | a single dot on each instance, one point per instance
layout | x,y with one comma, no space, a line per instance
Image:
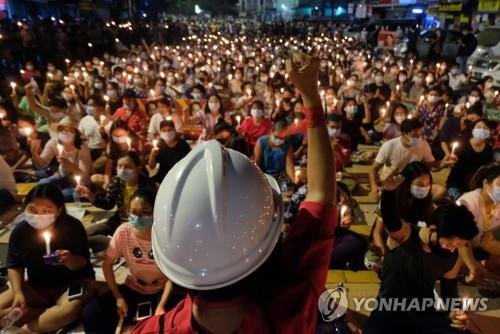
139,256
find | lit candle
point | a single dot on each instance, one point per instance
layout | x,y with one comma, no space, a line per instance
66,61
13,85
296,121
382,112
168,118
46,236
152,92
388,104
59,149
438,65
454,147
155,143
238,119
249,92
102,119
343,210
496,93
106,98
78,179
397,88
28,131
89,44
129,142
467,105
297,174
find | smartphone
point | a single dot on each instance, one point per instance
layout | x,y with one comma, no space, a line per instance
144,310
75,291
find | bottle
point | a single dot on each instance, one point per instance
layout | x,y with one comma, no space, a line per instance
8,321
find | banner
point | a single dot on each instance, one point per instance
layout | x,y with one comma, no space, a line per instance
488,6
387,39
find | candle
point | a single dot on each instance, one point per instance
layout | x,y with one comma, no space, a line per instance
89,44
382,112
13,85
155,143
467,105
168,118
238,119
2,115
388,104
78,179
106,98
496,93
296,121
249,92
59,149
46,236
397,88
129,142
438,65
28,131
66,61
411,61
152,92
343,210
454,147
102,119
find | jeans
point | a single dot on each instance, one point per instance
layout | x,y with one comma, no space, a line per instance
454,193
62,181
382,322
348,250
100,316
6,199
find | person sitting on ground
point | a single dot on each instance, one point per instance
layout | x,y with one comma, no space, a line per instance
43,297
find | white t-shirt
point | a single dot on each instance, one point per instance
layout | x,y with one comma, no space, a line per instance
393,154
7,180
472,201
457,81
89,128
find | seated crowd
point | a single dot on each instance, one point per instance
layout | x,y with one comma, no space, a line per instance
123,128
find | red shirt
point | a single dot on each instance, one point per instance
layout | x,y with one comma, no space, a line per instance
252,131
291,302
137,121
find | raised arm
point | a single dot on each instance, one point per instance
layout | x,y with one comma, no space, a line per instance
304,71
398,230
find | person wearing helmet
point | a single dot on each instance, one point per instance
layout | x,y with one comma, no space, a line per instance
240,276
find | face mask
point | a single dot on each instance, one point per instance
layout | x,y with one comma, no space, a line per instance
120,140
126,174
256,113
168,136
432,98
51,69
333,132
98,85
418,80
429,80
237,76
214,106
39,222
473,99
350,83
30,67
454,71
90,110
197,96
25,132
378,65
66,137
352,110
495,194
481,134
420,192
379,79
67,97
263,79
137,81
488,84
140,223
402,78
399,119
170,80
112,93
277,141
414,141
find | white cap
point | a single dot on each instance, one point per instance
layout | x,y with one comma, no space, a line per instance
217,218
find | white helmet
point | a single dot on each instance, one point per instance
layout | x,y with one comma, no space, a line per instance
217,218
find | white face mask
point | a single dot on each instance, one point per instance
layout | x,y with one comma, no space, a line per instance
214,106
256,113
98,85
414,141
379,79
277,141
112,93
402,78
399,119
25,132
432,98
429,80
495,194
333,132
419,192
350,83
39,222
482,134
67,97
237,76
66,137
126,174
197,96
168,136
473,99
120,140
90,110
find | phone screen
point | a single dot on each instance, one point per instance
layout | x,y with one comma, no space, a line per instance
143,310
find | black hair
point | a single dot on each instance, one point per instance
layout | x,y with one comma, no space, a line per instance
453,220
491,124
98,100
334,118
145,193
258,104
133,156
27,118
412,209
489,173
167,123
279,125
49,191
394,107
409,125
57,102
221,108
476,109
